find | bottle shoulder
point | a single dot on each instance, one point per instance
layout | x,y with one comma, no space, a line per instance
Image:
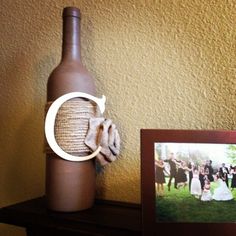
69,77
69,68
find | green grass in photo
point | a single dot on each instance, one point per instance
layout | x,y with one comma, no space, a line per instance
178,205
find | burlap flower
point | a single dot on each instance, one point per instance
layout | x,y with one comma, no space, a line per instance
104,133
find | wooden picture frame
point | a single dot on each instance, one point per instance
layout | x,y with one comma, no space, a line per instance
150,224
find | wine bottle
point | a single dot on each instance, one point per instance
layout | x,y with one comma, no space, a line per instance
70,186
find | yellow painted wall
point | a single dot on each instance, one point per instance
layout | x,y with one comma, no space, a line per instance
161,64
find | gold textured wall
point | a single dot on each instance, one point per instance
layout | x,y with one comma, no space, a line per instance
161,64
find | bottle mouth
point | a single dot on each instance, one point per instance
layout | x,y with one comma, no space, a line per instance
71,11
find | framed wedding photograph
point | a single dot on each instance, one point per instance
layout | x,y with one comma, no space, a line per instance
188,182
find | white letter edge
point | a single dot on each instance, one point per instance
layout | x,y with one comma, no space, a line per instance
51,118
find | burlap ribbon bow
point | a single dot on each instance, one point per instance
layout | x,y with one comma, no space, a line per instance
104,133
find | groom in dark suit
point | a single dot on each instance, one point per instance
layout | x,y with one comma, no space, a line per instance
224,171
173,170
209,170
190,174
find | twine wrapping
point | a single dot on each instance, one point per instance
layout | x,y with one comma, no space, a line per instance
71,126
79,129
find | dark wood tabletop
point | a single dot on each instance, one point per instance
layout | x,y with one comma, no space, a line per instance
104,218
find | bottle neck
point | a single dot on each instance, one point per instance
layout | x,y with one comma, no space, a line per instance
71,39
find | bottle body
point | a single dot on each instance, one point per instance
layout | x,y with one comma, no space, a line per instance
70,186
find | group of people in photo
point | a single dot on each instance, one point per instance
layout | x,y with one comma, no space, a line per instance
198,178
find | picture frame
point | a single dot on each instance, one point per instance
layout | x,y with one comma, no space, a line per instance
150,225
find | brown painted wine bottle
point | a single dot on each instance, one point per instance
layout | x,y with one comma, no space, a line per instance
70,186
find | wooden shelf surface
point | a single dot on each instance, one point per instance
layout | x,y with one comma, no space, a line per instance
104,218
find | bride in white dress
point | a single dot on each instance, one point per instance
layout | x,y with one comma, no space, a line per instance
195,188
222,192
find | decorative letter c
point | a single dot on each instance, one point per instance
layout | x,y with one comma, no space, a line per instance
51,118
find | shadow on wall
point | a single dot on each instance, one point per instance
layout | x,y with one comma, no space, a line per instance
24,157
